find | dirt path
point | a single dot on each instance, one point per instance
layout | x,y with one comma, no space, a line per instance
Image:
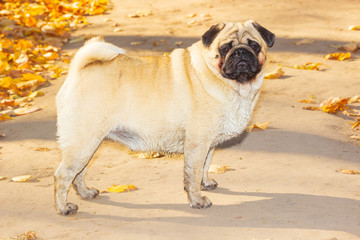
285,184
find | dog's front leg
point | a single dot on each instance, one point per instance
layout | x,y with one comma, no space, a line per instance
195,153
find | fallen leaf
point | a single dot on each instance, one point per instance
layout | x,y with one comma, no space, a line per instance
355,27
120,188
118,29
26,110
147,155
278,73
355,137
157,42
338,56
351,113
262,125
2,178
355,98
135,43
309,66
191,15
140,13
311,108
334,104
24,178
356,124
179,43
218,169
349,171
42,149
305,100
304,41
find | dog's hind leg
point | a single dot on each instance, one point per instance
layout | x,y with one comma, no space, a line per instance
77,150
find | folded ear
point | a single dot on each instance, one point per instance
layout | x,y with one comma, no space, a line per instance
268,36
211,34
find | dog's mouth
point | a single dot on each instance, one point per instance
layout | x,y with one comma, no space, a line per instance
241,64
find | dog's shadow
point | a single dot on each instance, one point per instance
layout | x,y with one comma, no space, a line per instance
268,210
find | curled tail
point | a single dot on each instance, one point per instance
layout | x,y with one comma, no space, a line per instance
96,49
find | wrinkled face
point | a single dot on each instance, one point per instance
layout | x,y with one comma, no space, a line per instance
237,51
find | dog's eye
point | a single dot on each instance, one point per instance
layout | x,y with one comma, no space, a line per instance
254,46
224,49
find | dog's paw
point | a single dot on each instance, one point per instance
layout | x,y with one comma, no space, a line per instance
69,209
210,184
203,202
89,193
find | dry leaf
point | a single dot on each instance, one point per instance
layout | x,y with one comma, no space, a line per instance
355,27
262,125
338,56
191,15
348,171
334,104
356,124
310,100
309,66
355,98
355,137
304,41
351,113
118,29
218,169
42,149
311,108
179,43
24,178
26,110
278,73
135,43
120,188
147,155
2,178
140,13
157,42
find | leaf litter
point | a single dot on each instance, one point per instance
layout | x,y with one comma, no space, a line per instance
32,34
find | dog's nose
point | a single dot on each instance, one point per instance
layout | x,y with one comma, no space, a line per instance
242,66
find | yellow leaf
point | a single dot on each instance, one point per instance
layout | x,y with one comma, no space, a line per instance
2,178
120,188
349,171
309,66
3,117
24,178
31,76
42,149
356,27
334,104
338,56
311,108
356,124
218,169
6,82
278,73
355,137
262,125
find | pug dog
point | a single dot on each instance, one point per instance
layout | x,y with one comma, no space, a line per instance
187,102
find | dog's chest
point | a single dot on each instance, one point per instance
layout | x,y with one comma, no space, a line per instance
235,119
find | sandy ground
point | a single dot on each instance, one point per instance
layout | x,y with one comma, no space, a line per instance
285,184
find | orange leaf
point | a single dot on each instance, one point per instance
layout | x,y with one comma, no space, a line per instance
338,56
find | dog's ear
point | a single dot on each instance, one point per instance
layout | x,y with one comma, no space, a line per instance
211,34
268,36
